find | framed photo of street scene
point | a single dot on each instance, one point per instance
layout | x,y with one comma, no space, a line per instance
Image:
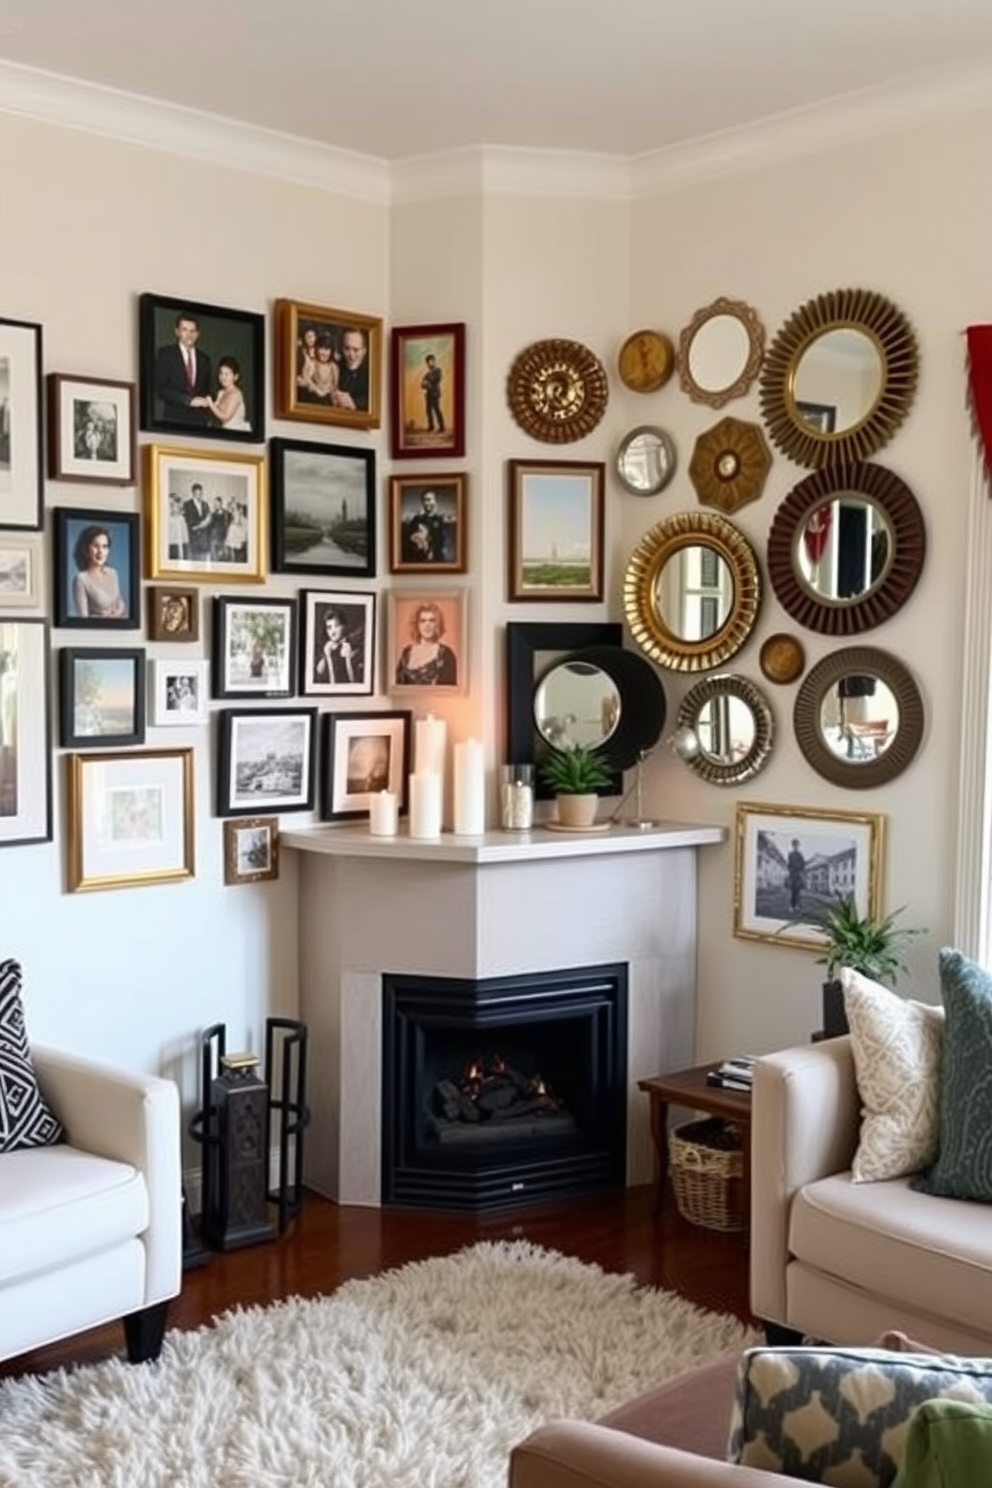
337,655
427,524
555,530
22,475
206,515
328,365
91,430
427,391
102,697
265,760
254,647
97,569
201,369
25,760
791,862
362,754
323,508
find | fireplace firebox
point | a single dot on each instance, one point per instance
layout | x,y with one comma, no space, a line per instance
504,1091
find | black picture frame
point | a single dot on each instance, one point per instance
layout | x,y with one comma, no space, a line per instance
26,784
101,697
254,647
265,760
320,674
76,597
164,391
22,471
532,647
383,742
323,508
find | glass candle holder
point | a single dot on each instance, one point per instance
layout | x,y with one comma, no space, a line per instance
516,798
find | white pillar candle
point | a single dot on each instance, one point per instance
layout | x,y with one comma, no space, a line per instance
430,737
470,789
384,813
425,804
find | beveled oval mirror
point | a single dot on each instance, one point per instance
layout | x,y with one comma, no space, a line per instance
846,548
839,378
859,717
730,725
645,461
720,351
576,702
692,591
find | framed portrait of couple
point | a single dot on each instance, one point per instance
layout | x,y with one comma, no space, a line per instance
201,369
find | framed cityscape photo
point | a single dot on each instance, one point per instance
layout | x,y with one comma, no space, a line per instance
427,524
323,508
251,849
328,365
265,760
555,530
254,647
206,515
361,754
427,391
337,651
102,697
201,369
22,477
97,569
25,760
91,430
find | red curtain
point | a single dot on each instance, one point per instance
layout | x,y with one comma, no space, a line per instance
980,386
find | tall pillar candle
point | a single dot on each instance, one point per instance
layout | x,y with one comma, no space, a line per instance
425,804
470,789
429,739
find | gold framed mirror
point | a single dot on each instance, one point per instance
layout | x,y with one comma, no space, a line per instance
858,717
839,378
645,460
724,729
720,351
692,591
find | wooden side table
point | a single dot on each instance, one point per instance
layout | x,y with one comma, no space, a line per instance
688,1088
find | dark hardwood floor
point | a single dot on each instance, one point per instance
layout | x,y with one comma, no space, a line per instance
327,1244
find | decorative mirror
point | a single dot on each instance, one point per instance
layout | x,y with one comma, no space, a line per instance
576,703
720,352
692,591
730,464
839,378
859,717
645,461
724,729
846,548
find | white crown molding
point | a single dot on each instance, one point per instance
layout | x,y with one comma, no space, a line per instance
123,116
504,170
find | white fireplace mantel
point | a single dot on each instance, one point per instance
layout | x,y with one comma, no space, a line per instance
501,904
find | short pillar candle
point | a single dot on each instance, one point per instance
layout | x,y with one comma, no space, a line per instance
384,813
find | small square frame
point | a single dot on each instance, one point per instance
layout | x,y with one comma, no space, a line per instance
323,508
254,652
427,388
186,543
376,744
92,424
265,758
21,571
555,527
22,475
173,613
178,694
297,395
251,849
444,667
75,530
25,781
841,854
130,818
317,664
101,697
225,335
428,539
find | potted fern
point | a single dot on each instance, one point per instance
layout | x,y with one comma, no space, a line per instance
575,775
870,944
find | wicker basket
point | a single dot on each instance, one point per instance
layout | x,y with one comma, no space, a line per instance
707,1166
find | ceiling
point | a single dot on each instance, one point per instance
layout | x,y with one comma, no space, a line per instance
399,78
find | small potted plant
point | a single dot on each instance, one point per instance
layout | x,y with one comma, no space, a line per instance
575,775
865,943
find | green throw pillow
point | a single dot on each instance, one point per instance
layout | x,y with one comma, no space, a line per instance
963,1169
949,1445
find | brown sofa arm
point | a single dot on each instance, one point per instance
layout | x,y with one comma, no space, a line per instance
578,1454
805,1116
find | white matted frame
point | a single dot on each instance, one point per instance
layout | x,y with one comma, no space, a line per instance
221,537
428,641
265,760
791,862
21,578
25,721
92,424
254,647
337,646
178,694
251,849
361,754
130,818
21,470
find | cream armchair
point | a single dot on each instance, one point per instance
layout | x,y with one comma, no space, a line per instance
91,1229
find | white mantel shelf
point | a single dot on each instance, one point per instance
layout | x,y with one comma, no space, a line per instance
499,847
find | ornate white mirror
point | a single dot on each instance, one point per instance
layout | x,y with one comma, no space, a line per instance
720,351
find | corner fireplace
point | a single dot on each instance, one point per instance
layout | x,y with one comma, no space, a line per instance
504,1091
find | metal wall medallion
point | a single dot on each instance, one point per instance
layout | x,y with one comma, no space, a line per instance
730,464
782,657
557,391
646,361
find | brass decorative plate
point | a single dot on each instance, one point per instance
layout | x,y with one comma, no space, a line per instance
782,657
557,391
730,464
646,361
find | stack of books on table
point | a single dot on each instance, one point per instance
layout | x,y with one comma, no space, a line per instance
733,1074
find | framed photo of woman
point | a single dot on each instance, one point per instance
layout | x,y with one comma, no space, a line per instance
428,649
337,654
96,569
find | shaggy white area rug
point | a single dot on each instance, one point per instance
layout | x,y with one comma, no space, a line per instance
423,1377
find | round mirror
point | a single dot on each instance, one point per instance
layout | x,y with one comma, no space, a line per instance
720,352
576,703
846,548
692,591
859,717
727,723
645,461
839,378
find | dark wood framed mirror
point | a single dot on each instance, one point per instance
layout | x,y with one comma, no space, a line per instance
859,717
725,729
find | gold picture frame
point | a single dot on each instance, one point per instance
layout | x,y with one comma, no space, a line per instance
328,365
251,849
130,818
207,514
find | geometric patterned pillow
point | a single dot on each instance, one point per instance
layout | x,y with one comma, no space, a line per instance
840,1415
25,1118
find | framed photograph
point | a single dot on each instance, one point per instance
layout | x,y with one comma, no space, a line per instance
362,753
97,569
130,818
22,477
101,697
173,614
251,849
328,365
178,693
820,416
323,508
791,861
265,760
25,733
555,530
21,582
206,515
254,647
427,391
91,430
337,654
201,369
427,521
428,649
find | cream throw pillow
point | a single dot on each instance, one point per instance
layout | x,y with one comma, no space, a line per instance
897,1048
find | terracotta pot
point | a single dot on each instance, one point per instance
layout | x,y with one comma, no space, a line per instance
577,811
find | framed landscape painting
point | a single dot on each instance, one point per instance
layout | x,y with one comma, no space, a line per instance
25,740
21,473
555,530
102,696
323,508
427,391
201,369
20,570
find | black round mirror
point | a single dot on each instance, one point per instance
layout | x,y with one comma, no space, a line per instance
621,688
576,703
